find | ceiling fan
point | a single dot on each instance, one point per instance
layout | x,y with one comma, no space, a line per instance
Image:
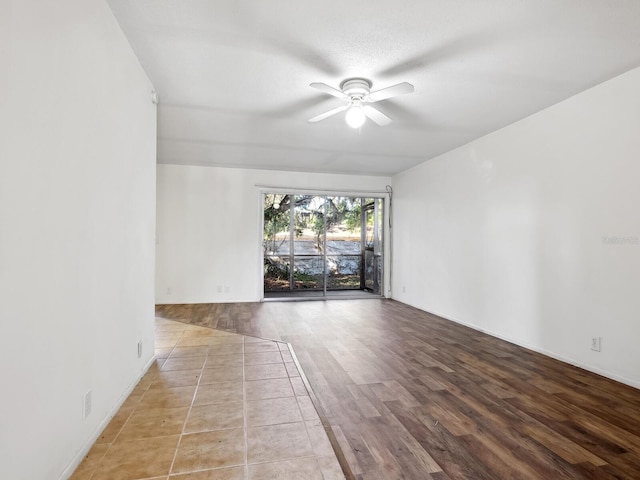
357,93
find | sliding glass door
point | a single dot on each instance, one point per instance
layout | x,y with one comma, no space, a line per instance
319,245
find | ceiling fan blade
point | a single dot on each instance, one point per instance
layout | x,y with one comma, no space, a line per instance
451,51
323,87
394,90
376,115
328,114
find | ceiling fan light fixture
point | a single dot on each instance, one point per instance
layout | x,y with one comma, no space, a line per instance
357,94
355,116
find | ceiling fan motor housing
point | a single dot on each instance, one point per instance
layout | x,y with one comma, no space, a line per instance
356,88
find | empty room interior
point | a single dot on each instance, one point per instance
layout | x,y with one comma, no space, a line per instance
323,240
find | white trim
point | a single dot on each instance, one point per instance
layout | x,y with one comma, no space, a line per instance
386,228
260,283
322,191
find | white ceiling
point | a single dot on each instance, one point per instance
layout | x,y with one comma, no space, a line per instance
233,75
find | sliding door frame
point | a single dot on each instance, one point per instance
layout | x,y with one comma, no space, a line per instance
385,239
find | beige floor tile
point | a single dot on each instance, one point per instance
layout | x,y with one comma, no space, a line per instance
215,371
148,377
169,333
307,408
167,397
163,352
194,341
133,399
286,356
166,342
136,395
262,358
224,416
273,411
183,363
225,360
292,371
199,351
135,459
278,442
177,378
248,339
217,393
82,474
298,387
233,473
109,434
272,388
168,329
296,469
228,340
201,451
90,462
319,440
221,374
226,349
330,468
258,347
154,422
198,332
159,362
222,333
263,372
162,324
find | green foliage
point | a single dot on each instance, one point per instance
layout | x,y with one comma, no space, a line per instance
352,218
276,269
310,213
305,277
276,219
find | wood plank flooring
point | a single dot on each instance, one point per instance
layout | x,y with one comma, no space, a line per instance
410,395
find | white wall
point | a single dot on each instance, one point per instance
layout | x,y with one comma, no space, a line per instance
512,233
77,222
208,230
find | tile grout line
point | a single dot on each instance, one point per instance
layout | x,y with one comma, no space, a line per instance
195,392
139,401
110,444
342,459
324,423
304,422
244,411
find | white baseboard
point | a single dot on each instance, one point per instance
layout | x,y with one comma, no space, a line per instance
79,456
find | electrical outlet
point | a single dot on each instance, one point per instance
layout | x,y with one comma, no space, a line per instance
86,404
140,349
596,343
404,289
169,290
219,288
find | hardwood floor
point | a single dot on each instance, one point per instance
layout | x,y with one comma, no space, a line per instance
410,395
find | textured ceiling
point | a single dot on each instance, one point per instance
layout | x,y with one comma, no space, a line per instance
233,76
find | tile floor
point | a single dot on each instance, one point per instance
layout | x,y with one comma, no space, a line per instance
215,406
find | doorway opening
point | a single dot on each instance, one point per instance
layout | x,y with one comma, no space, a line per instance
322,246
